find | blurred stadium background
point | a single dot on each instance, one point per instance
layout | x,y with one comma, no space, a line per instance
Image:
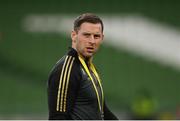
35,34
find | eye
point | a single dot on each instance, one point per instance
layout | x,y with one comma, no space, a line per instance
97,36
87,35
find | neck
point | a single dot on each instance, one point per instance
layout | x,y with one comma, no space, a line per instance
87,59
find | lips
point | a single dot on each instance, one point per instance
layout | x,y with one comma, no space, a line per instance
90,49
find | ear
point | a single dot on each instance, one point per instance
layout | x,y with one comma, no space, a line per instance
73,36
102,38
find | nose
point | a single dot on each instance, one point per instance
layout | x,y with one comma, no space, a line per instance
92,39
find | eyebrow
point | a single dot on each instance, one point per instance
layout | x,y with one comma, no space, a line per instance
91,33
86,32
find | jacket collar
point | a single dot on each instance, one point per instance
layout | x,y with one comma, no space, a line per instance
74,53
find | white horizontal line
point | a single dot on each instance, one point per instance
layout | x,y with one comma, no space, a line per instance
134,33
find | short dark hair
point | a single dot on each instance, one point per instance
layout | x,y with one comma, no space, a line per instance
87,17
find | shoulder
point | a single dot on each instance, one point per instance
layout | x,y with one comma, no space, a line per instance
68,60
66,68
66,63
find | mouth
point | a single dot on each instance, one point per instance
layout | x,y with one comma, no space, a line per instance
90,49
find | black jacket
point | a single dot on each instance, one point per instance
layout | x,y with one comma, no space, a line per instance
72,94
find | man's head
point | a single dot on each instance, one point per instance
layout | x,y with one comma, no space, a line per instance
87,34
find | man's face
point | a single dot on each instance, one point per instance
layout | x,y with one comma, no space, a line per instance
87,39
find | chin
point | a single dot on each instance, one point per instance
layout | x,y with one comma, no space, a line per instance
88,55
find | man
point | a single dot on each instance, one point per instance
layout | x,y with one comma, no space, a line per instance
74,86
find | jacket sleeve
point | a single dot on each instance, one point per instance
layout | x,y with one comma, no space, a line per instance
62,90
108,115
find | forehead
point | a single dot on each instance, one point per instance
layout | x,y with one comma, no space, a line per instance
90,27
